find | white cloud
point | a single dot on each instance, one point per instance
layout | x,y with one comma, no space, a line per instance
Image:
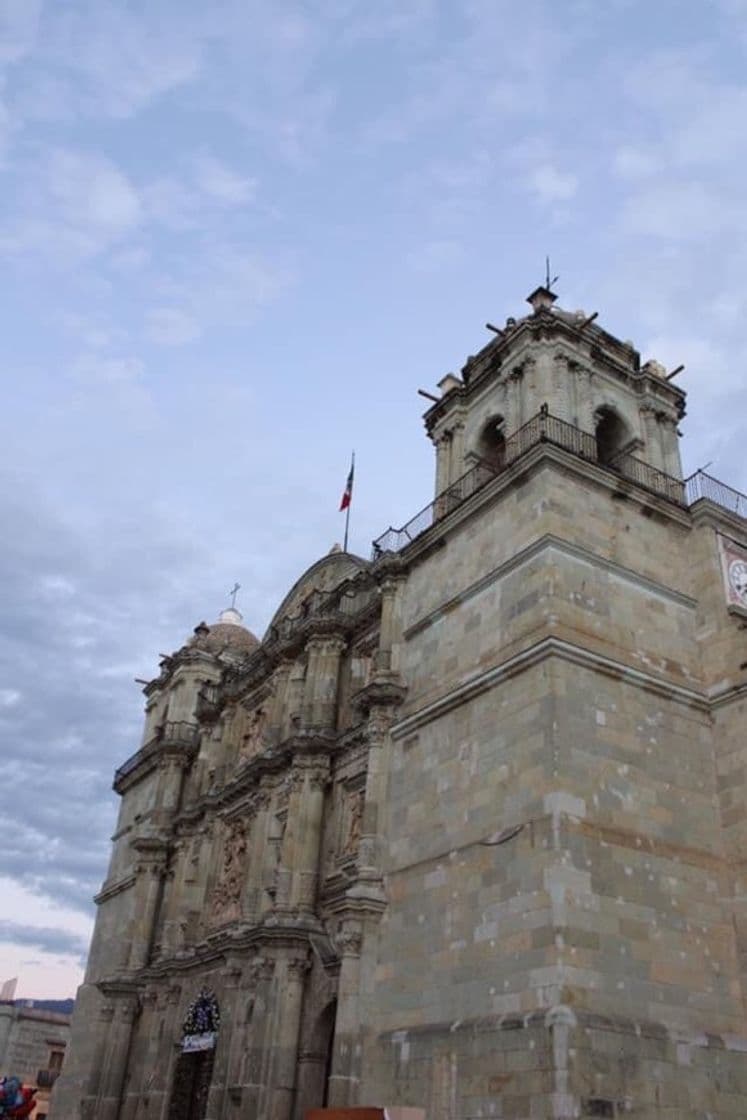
217,180
434,256
170,326
76,204
631,162
9,697
550,185
121,60
107,369
688,211
19,21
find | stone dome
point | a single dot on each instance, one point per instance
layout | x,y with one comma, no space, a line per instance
227,634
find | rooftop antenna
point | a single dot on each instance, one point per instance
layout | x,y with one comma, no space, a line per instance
548,282
233,593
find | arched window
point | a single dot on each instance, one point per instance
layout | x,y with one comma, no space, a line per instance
612,435
491,446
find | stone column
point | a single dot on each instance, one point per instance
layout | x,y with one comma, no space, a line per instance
97,1070
171,769
319,709
390,629
442,443
116,1058
309,778
562,391
670,446
257,840
223,1068
652,452
150,870
346,1059
456,458
279,714
288,1029
168,1050
257,1046
514,410
139,1085
272,856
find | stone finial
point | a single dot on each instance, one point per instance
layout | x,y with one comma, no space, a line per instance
656,369
449,382
541,299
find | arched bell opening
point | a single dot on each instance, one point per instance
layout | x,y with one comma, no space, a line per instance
491,446
612,435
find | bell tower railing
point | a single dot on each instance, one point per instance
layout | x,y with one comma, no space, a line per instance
546,428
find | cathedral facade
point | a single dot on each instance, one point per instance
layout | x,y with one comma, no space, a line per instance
466,830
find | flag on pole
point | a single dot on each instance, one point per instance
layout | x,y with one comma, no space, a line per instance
347,494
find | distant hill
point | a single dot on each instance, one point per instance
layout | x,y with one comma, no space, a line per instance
61,1006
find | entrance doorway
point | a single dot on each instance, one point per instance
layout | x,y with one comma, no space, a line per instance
191,1085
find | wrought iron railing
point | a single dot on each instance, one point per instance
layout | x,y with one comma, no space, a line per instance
702,485
174,733
394,540
651,477
542,428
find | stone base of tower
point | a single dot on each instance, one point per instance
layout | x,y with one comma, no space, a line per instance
558,1065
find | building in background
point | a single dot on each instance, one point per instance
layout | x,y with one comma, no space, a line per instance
466,829
32,1047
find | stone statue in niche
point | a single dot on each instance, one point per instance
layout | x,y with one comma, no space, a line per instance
355,821
251,743
226,900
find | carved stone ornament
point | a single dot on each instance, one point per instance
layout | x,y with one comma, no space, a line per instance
253,740
226,898
349,939
355,806
298,967
261,968
317,771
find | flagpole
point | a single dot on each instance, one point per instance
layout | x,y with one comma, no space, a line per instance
347,510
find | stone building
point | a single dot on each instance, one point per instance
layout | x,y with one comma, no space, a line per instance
32,1048
466,829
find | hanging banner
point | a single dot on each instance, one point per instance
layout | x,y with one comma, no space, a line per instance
191,1043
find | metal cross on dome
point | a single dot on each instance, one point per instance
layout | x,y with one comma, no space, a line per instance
233,592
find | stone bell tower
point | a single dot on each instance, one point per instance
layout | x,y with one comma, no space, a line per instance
563,363
564,936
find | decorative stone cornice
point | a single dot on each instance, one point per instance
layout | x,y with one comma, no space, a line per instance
385,690
110,890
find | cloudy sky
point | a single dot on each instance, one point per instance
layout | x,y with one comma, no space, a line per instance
235,239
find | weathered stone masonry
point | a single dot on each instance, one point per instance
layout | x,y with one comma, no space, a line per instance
466,830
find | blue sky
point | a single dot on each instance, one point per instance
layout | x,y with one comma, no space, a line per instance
236,238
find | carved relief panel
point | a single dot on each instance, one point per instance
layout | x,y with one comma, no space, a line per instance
225,901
